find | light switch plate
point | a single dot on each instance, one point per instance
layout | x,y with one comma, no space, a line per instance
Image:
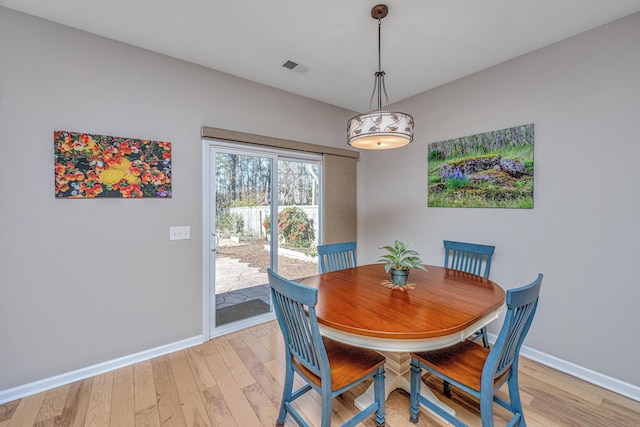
180,233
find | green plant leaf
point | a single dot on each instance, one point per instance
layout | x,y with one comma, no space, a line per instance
399,256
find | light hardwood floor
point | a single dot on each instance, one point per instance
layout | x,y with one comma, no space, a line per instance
236,380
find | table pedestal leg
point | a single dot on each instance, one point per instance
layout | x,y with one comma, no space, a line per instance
398,375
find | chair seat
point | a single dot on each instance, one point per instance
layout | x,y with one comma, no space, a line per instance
348,363
462,363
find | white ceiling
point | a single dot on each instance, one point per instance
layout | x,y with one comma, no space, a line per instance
425,43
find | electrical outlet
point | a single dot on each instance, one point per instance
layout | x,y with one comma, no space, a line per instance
180,233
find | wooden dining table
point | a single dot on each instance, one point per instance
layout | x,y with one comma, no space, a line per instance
444,308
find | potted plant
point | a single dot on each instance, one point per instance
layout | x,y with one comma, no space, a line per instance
399,259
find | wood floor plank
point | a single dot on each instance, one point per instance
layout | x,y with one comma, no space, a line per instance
76,404
169,406
145,401
257,370
253,353
215,405
99,409
562,381
217,408
195,414
276,369
262,353
52,406
261,330
234,363
122,398
261,404
241,409
208,348
613,399
26,411
622,410
570,410
7,410
197,362
275,342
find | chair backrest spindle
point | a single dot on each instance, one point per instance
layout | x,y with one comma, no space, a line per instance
468,257
337,256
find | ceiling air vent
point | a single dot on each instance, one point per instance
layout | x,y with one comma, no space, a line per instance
290,65
294,66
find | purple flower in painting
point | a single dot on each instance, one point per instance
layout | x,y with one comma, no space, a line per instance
456,180
456,174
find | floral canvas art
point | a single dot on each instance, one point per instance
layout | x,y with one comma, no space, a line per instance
89,166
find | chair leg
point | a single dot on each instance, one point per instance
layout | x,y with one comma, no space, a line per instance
327,403
286,395
446,389
514,398
378,389
416,380
485,337
486,408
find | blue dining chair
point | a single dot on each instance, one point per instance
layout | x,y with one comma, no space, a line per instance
480,371
337,256
470,258
327,366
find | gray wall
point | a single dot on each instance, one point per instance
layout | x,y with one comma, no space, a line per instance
88,281
583,95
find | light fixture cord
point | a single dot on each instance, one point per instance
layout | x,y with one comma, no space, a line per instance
378,83
379,45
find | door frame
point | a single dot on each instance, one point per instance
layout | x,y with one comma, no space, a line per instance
208,197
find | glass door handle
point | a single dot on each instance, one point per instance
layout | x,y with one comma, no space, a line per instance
216,241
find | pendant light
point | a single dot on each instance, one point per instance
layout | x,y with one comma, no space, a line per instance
380,129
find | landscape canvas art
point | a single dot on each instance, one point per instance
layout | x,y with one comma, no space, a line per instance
487,170
90,166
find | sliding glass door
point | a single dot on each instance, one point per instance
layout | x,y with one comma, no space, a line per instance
246,188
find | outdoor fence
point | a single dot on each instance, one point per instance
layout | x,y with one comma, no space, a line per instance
254,216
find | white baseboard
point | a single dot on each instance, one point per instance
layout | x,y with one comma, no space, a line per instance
612,384
629,390
19,392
